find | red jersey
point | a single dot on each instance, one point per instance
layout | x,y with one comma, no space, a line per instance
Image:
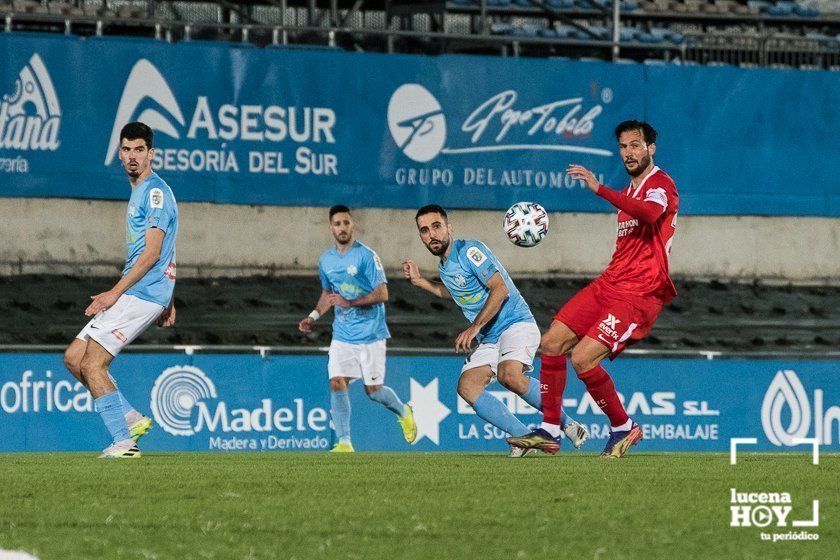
639,265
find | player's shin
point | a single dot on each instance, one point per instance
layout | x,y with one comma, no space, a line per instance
109,408
389,399
340,413
553,384
130,413
602,390
492,410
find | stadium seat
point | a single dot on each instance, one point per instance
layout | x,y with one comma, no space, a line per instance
624,61
547,33
781,9
500,28
805,11
655,62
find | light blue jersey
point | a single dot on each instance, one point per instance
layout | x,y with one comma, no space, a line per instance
354,274
465,274
152,205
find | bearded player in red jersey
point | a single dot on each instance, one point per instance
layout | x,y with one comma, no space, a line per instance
619,307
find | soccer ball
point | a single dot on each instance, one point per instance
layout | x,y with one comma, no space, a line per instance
526,224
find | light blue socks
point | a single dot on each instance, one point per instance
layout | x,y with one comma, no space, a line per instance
111,410
389,399
340,412
490,409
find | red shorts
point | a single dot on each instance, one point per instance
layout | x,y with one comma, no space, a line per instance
613,320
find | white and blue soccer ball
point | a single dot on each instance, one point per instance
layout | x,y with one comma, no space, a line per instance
526,224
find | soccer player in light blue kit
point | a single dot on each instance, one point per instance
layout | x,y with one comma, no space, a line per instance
353,283
141,297
501,322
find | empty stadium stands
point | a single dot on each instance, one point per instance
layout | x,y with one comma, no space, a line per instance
747,33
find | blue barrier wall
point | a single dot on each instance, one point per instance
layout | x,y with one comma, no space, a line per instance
233,402
264,126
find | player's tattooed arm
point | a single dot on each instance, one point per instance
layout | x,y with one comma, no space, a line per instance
498,294
143,264
377,295
412,272
323,305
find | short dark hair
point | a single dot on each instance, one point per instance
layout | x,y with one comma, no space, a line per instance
338,209
647,131
138,131
431,209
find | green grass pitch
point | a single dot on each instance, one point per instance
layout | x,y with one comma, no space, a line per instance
394,506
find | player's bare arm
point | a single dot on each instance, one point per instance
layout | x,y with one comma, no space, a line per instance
321,307
378,295
412,272
498,293
144,263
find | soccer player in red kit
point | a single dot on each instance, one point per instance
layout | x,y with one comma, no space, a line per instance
619,307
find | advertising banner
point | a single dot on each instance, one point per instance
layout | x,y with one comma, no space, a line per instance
277,127
281,403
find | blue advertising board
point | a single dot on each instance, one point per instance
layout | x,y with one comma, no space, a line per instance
281,403
267,126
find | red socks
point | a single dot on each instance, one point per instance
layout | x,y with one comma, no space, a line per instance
552,385
601,388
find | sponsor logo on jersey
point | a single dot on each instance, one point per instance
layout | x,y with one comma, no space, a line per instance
460,281
627,227
352,270
608,326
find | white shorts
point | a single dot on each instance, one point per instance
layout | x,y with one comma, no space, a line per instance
121,323
518,342
358,360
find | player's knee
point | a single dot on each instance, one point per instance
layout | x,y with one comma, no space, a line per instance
371,389
581,362
508,376
468,391
337,384
72,363
553,344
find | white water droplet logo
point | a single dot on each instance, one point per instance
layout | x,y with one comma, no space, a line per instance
785,391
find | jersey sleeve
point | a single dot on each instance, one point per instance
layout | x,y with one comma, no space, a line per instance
479,260
373,269
160,211
325,282
646,210
659,193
